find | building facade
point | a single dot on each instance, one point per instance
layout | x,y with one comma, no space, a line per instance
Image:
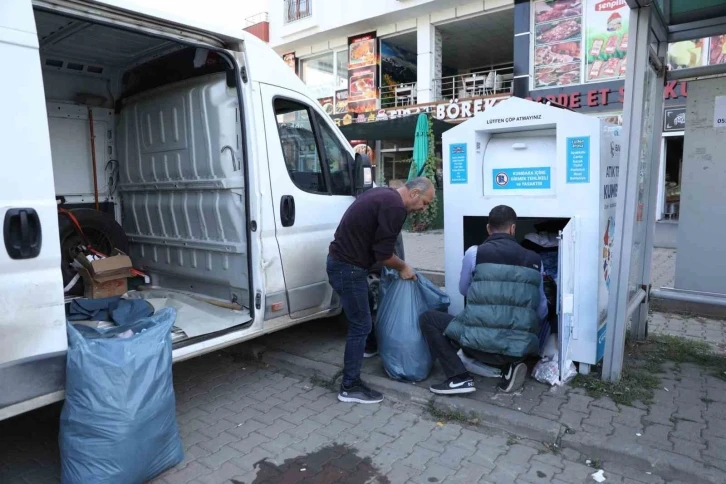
374,60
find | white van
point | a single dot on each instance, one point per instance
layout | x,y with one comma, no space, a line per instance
228,179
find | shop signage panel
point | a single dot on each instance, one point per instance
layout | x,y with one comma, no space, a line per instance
458,164
578,160
674,119
535,178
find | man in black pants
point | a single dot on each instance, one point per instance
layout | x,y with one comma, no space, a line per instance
366,235
506,304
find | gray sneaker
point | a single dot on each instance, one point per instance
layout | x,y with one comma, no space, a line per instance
513,377
359,393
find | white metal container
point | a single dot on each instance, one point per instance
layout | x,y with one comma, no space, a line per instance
545,163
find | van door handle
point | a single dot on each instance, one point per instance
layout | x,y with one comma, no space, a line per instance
287,211
22,233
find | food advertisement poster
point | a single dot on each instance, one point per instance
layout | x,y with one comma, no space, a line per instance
362,147
362,73
327,104
606,44
341,101
717,50
291,61
558,42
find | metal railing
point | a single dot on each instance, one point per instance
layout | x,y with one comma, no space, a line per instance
297,10
497,80
398,95
256,19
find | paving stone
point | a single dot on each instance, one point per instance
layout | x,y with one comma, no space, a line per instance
272,416
188,473
600,417
468,473
688,448
504,474
690,431
401,473
225,473
575,473
688,412
223,439
539,472
276,428
433,473
215,461
385,459
453,456
242,430
551,460
251,442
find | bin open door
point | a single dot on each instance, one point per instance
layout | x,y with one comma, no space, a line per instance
566,292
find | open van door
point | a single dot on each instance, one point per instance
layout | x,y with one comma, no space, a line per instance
566,290
32,316
310,178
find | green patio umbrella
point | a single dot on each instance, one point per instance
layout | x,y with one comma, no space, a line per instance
420,147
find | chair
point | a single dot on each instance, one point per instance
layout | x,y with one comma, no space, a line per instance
490,82
405,94
469,84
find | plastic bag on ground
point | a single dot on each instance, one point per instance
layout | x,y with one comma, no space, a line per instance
118,424
547,370
402,347
478,368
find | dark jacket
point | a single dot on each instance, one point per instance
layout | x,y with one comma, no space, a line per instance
501,312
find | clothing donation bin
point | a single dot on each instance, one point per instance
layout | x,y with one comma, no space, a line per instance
559,171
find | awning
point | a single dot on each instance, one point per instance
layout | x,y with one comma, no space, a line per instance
398,128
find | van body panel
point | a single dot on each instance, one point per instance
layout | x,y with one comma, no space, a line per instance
295,158
202,176
32,320
182,187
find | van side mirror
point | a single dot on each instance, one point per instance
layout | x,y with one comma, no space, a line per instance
362,174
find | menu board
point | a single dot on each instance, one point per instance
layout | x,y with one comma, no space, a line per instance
717,50
558,42
686,54
606,45
362,73
341,101
327,104
291,61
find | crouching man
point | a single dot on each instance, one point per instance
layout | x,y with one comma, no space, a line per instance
506,304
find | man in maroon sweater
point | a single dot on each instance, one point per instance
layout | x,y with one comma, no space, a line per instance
366,235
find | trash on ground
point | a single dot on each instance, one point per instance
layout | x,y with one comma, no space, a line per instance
599,476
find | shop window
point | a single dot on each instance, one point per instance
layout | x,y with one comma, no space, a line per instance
325,73
337,158
299,147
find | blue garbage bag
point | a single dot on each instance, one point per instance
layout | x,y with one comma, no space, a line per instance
118,424
402,347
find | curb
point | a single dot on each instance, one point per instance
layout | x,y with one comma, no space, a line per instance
661,463
436,277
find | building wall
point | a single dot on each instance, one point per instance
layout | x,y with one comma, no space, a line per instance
333,21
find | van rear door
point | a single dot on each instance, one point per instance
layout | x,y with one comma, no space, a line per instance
311,190
32,316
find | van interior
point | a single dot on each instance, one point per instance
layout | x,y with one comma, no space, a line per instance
148,130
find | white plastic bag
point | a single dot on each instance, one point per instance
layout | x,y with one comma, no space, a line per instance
547,370
478,368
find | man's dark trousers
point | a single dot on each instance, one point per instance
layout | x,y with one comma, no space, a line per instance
351,284
433,324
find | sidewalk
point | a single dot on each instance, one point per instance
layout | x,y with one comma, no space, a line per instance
678,434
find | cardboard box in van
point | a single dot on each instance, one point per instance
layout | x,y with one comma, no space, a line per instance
105,277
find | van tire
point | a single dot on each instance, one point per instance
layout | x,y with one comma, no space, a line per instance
103,233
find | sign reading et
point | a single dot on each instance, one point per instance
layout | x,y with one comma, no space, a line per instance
603,97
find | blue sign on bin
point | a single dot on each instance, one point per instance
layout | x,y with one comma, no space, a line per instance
535,178
458,164
578,160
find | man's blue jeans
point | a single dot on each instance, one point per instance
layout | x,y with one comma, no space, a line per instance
351,285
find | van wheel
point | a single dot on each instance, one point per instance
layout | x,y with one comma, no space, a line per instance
102,232
374,291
